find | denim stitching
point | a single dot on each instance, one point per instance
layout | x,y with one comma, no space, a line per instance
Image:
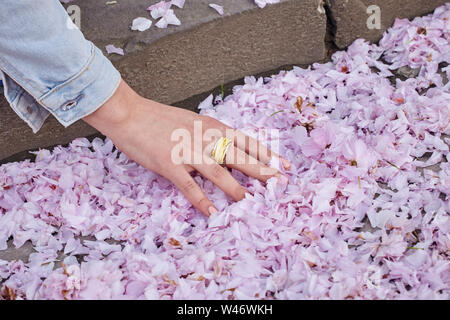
83,70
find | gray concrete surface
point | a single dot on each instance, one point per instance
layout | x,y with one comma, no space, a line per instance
16,138
248,42
349,17
22,253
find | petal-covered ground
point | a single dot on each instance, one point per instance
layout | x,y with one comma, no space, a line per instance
364,215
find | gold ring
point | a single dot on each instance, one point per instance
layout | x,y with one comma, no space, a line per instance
220,149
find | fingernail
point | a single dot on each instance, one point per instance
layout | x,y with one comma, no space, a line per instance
242,194
286,164
212,210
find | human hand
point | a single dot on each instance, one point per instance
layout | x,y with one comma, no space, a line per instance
147,132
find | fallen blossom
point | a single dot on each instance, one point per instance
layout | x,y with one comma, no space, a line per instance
166,15
263,3
110,48
178,3
141,24
217,7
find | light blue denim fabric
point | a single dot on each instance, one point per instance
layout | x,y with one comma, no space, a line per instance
48,67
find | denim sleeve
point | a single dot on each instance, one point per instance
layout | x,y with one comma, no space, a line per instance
48,67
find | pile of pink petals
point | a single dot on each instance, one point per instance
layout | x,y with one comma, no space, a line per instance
364,215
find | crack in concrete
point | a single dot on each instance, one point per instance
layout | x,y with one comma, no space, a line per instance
330,32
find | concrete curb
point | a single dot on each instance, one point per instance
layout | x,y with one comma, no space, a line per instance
349,18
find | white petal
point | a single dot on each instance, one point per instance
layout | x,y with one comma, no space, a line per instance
141,24
216,7
178,3
112,49
207,103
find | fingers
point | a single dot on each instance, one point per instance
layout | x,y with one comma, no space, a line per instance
238,159
253,147
223,179
246,154
257,150
192,191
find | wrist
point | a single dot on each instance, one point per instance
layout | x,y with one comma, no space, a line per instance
115,112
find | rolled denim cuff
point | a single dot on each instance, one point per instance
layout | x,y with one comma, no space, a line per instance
23,104
85,92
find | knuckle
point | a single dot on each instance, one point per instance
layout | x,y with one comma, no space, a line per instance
218,172
188,186
216,123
